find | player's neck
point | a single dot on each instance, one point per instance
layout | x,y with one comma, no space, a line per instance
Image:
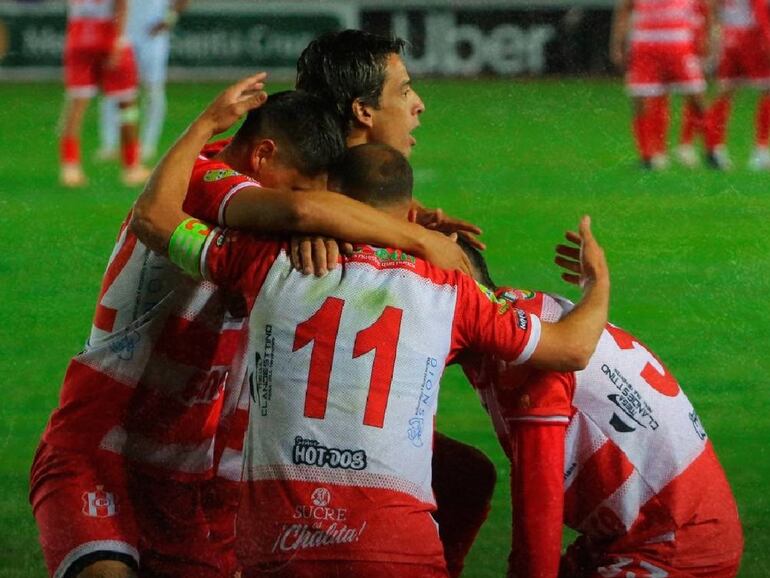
231,157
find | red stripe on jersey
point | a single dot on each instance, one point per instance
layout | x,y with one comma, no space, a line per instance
601,474
104,317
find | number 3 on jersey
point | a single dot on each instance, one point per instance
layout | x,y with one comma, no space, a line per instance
381,336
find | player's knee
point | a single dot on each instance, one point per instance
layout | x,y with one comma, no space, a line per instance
107,569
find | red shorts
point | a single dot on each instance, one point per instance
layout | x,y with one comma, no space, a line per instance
96,506
335,569
745,58
657,68
86,70
82,509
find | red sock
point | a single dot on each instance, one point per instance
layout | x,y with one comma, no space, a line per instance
763,120
641,127
130,153
716,122
69,150
659,124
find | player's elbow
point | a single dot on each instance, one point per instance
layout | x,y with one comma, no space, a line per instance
146,228
576,357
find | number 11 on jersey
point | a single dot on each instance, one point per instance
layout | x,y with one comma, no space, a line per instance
322,329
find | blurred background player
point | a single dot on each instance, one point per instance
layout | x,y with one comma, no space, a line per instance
614,451
98,55
148,27
744,60
654,41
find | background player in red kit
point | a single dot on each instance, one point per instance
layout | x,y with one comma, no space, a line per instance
139,410
615,451
744,60
654,41
97,55
379,501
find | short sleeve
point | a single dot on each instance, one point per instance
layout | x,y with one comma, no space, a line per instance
212,186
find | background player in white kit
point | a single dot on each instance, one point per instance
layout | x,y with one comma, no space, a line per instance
148,27
376,474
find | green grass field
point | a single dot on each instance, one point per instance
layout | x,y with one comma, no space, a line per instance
688,252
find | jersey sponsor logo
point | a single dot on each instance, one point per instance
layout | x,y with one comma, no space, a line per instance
310,452
697,425
215,175
125,345
261,376
320,508
397,256
427,391
523,322
205,387
99,504
518,294
294,537
630,402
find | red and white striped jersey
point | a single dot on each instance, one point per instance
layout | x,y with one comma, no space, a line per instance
631,431
91,24
344,378
163,350
663,21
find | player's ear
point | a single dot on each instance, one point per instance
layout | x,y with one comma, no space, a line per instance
362,112
412,214
263,152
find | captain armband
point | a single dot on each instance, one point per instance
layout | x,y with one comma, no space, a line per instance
185,247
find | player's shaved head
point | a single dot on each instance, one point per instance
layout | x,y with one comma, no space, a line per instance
303,126
375,174
479,267
341,67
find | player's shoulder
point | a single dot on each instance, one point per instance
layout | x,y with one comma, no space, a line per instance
209,170
547,306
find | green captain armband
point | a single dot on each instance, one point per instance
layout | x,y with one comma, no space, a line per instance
186,246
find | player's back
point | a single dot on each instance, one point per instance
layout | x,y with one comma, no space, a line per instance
344,391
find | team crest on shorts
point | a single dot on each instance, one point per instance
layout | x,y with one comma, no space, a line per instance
99,504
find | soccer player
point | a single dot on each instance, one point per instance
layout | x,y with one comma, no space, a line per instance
328,495
653,40
98,55
148,27
365,78
614,451
121,477
744,59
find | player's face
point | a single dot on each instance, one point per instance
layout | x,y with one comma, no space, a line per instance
399,110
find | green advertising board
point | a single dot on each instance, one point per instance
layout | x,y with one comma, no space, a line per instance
212,40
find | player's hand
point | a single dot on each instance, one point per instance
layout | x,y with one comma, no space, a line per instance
444,252
316,255
159,27
233,103
618,57
584,259
437,220
116,52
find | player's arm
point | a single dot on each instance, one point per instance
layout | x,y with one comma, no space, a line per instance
619,33
537,498
171,17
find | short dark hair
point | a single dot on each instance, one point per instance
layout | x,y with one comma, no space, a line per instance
478,263
375,174
304,127
341,67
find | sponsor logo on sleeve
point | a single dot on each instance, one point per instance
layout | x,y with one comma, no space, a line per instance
518,294
99,503
310,452
522,320
218,174
697,425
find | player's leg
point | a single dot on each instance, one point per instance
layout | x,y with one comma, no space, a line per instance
659,121
80,83
716,121
109,129
642,129
760,158
692,125
153,62
463,484
83,514
644,84
120,83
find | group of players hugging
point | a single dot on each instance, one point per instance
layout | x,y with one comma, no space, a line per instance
664,46
256,399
